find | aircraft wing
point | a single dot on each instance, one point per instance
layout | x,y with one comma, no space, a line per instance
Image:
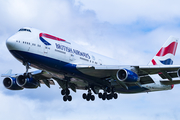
105,71
43,76
47,78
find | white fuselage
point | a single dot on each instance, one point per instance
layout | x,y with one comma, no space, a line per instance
67,51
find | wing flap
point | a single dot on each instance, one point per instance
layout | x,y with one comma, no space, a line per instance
171,74
156,69
165,82
146,79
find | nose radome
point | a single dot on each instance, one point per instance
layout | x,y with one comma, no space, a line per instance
10,42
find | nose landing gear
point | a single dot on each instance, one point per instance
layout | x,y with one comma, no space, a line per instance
26,74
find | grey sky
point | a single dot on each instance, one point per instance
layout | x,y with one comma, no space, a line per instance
127,30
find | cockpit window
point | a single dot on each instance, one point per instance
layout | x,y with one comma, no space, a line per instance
23,29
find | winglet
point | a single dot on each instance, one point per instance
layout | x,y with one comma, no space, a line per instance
167,52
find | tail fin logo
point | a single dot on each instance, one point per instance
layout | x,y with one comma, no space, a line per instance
167,52
41,35
164,51
171,49
167,62
153,62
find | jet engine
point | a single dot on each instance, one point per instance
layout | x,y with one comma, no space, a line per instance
10,83
127,76
26,82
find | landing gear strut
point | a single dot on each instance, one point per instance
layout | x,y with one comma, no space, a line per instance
26,74
66,92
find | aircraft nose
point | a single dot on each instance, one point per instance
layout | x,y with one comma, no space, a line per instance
10,42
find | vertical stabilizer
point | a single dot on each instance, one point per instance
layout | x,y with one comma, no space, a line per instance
166,53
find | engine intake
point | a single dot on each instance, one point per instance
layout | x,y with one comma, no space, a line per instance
128,76
10,83
26,82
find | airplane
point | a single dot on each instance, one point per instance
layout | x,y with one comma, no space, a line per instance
76,68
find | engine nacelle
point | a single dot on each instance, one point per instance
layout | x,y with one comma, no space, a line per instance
10,83
27,82
127,76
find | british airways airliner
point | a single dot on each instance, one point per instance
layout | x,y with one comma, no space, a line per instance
73,67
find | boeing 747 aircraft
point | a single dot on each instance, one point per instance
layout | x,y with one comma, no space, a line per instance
73,67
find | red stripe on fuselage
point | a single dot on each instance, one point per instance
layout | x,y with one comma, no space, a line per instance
50,37
171,48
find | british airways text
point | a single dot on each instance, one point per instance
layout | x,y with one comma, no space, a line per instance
70,50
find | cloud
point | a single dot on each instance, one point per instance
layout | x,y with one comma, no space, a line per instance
138,106
129,31
126,12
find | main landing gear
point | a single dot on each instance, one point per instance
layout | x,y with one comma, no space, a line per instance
108,94
88,96
66,92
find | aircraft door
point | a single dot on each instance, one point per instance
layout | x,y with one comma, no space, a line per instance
100,61
71,58
43,49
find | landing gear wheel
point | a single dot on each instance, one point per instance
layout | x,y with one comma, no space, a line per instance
65,98
69,98
63,92
115,96
84,96
100,95
108,97
92,97
88,97
103,97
